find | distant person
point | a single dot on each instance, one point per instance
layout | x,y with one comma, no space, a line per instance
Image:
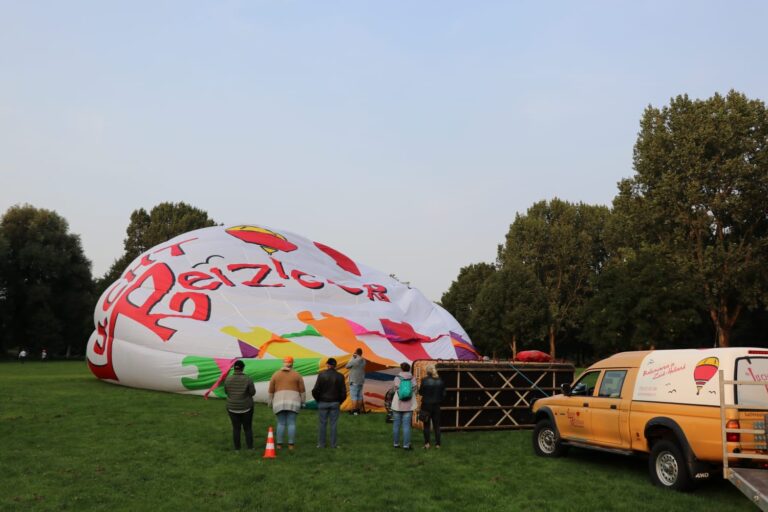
356,367
44,355
329,392
22,356
403,404
240,390
286,396
432,391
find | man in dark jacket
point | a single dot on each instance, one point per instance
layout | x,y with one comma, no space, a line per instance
329,392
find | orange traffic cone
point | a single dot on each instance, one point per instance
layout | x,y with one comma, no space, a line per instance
269,452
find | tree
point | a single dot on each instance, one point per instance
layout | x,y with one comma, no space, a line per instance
146,230
460,297
698,193
47,293
510,307
641,303
562,243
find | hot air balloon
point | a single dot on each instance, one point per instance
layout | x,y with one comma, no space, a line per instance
183,311
705,370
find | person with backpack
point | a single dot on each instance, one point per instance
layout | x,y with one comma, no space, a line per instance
432,391
403,405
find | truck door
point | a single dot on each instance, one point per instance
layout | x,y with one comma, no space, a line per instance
606,410
575,418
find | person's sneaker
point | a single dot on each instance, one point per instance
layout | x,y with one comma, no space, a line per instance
290,447
320,446
395,446
279,446
407,448
354,413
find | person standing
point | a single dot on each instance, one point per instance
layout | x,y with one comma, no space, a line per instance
286,396
44,355
432,391
22,356
356,367
329,392
403,405
240,390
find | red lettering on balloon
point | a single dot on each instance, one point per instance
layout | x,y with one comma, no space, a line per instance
376,292
189,281
313,285
262,272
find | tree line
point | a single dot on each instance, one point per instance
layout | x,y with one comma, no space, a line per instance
678,260
47,291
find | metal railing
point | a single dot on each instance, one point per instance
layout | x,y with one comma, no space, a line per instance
724,421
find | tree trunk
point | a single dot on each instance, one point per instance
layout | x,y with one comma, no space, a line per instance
723,319
552,341
514,347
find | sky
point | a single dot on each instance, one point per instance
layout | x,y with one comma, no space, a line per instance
407,135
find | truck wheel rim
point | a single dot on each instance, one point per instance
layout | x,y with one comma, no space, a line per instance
547,440
666,468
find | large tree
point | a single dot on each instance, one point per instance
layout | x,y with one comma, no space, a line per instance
460,298
510,309
699,193
47,293
145,230
562,243
642,301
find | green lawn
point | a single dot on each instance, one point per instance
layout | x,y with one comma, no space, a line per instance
71,442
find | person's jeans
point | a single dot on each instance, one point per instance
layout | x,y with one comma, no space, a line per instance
242,420
327,412
286,419
402,419
434,420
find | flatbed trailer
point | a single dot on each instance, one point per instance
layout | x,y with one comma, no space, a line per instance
752,482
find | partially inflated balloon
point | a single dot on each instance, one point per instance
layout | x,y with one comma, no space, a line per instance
184,310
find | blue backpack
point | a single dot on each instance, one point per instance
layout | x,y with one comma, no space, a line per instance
405,390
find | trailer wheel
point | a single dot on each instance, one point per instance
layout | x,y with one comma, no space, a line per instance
668,468
546,440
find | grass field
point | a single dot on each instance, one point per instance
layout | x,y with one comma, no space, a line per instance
71,442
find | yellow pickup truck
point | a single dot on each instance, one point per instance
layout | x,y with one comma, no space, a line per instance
665,403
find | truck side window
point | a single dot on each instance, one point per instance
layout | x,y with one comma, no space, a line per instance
586,384
610,387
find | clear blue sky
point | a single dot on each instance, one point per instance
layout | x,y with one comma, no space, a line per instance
405,134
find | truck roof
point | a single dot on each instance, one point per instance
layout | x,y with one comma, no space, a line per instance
623,360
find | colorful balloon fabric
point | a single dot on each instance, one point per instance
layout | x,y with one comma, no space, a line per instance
704,371
185,310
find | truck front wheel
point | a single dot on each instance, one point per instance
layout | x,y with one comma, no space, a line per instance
667,466
546,440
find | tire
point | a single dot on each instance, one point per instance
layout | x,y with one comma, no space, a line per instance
546,440
668,468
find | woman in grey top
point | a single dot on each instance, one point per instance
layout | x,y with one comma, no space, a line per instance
240,390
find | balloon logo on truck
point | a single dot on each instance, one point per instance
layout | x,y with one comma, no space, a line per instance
704,371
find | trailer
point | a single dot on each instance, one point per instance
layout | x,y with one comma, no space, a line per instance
493,395
753,425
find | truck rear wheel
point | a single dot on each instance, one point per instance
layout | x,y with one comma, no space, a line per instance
668,467
546,440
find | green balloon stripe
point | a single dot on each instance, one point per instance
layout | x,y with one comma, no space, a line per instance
260,370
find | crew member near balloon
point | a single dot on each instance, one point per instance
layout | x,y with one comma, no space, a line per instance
286,396
403,405
356,367
240,390
432,391
329,392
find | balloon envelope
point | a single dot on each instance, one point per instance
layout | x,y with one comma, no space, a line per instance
184,310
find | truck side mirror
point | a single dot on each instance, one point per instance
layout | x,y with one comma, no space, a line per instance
566,389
